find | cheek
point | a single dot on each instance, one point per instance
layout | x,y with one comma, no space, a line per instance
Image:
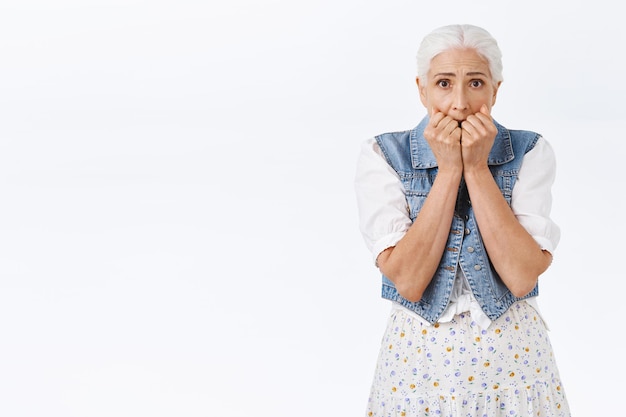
441,104
432,100
479,100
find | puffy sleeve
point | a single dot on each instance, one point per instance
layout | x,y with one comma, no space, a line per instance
383,209
531,200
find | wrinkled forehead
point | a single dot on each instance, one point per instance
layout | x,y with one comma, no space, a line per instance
459,62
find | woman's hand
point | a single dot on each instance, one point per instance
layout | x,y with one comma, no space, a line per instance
478,135
443,134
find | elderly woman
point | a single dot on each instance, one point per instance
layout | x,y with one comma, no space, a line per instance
456,213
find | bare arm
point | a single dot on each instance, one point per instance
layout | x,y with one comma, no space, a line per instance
513,252
515,255
412,263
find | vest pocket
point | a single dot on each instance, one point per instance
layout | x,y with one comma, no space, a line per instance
415,202
505,181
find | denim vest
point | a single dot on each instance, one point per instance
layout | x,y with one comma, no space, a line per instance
410,156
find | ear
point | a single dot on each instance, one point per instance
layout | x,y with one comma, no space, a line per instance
421,87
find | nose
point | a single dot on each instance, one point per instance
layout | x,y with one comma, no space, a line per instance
459,99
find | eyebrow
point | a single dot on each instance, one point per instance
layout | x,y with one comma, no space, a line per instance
451,74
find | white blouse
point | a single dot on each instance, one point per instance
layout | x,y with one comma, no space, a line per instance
384,214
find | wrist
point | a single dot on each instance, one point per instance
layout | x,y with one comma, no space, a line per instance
475,172
452,174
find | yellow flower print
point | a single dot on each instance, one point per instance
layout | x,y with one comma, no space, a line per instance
497,331
496,386
394,389
471,378
424,331
449,348
512,374
402,334
436,326
412,386
486,364
478,338
436,384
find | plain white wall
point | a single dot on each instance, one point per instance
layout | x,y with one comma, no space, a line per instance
178,230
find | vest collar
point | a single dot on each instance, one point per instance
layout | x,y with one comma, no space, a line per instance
423,157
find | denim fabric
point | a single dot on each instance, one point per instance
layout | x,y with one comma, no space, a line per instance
410,156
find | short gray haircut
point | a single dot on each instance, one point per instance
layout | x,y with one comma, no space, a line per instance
461,37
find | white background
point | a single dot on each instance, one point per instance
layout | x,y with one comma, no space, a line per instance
178,227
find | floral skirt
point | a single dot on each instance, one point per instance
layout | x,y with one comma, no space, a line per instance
457,369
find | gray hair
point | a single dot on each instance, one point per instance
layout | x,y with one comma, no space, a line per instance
462,37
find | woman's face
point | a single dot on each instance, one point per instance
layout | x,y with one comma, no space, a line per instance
458,83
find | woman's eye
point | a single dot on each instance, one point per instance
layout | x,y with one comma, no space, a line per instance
476,83
443,83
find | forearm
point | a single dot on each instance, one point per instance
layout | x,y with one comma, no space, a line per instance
412,263
512,250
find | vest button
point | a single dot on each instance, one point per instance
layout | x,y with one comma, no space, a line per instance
467,231
470,249
477,267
